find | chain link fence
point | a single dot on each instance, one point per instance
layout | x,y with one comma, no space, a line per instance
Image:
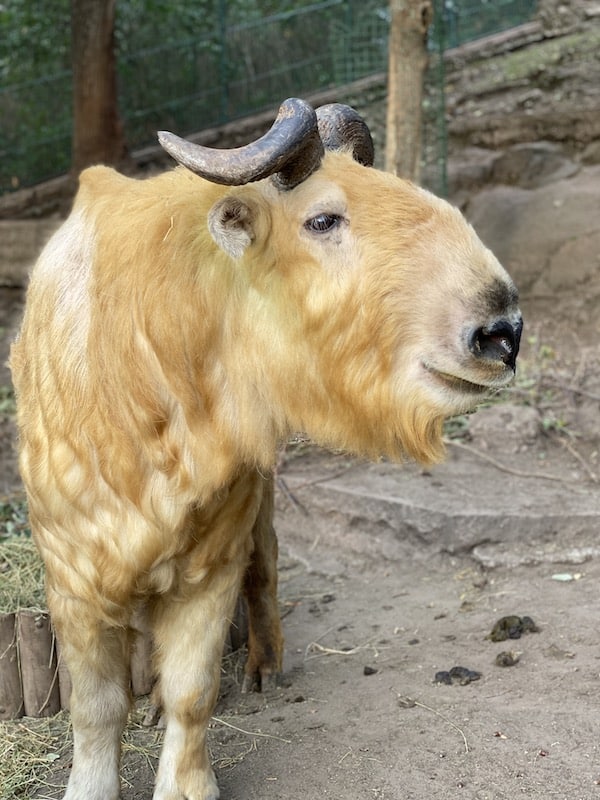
237,70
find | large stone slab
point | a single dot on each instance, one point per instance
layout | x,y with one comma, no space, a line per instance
469,504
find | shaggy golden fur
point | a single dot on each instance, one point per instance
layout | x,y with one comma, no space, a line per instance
175,332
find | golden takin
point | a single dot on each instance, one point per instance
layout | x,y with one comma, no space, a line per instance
177,330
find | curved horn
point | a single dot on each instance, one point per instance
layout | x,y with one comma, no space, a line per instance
341,127
290,151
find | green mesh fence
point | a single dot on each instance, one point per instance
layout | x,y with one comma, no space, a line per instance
466,20
251,68
35,131
240,69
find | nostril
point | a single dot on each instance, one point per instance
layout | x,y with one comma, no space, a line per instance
497,342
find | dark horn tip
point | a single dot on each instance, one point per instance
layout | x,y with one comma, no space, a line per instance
341,127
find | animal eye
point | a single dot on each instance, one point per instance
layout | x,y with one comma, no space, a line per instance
323,223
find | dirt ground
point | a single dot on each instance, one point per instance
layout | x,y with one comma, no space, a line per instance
390,574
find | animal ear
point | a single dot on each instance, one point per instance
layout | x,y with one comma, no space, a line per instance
231,224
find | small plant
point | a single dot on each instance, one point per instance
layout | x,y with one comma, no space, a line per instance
8,404
13,516
457,427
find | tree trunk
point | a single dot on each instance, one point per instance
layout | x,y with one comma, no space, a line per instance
97,131
410,20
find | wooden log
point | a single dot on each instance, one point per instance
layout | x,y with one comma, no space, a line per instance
39,668
140,664
11,690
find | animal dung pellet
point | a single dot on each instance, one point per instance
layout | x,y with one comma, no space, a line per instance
507,658
370,670
460,675
512,627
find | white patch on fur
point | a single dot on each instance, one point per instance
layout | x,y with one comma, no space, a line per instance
65,265
166,787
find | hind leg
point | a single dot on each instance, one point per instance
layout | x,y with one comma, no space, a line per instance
265,641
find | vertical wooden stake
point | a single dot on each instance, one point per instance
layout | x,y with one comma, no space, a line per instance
39,668
11,691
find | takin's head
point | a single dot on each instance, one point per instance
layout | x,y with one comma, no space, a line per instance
382,312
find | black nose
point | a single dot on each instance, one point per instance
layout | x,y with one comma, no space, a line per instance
498,341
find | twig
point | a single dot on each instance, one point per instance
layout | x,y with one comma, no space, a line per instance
517,472
50,690
577,455
409,701
325,478
290,496
331,651
250,733
572,389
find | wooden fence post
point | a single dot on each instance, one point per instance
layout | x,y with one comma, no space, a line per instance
39,667
410,20
11,691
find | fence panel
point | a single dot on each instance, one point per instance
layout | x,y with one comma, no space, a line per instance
466,20
233,71
35,131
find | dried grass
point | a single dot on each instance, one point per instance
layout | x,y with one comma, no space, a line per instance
32,750
28,749
21,568
21,575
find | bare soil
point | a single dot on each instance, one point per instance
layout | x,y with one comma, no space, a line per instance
390,574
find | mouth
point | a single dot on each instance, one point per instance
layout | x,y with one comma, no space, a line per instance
458,384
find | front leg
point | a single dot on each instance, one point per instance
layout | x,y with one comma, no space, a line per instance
189,635
97,658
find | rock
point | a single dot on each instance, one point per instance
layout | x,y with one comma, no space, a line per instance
532,165
547,238
471,169
511,428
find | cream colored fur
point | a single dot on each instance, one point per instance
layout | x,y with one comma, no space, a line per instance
175,332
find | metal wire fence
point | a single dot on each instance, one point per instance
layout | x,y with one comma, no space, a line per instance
466,20
200,83
231,72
